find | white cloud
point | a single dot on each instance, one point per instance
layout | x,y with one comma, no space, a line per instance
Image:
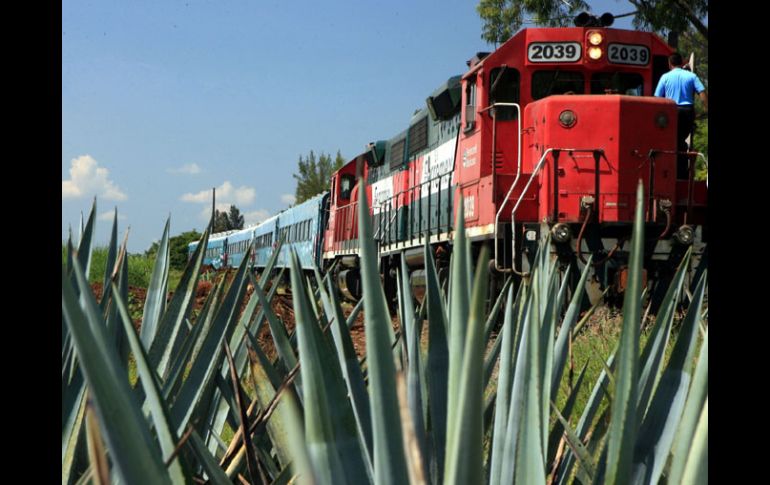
288,199
188,169
110,215
227,194
249,218
88,179
255,217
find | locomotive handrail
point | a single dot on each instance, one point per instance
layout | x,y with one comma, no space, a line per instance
411,191
537,169
690,153
387,225
518,168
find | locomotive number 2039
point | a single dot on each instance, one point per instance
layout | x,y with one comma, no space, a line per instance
553,52
628,54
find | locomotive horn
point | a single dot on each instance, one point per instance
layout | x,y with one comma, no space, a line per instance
606,19
582,19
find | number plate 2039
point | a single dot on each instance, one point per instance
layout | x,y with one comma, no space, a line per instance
553,52
628,54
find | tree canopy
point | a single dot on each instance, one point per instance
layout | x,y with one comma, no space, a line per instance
313,174
228,220
503,18
177,248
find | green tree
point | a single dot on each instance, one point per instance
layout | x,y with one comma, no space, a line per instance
314,174
221,222
235,218
228,220
177,249
672,16
503,18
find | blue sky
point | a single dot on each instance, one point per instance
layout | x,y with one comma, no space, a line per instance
161,101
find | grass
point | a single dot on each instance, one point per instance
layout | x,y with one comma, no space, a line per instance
139,268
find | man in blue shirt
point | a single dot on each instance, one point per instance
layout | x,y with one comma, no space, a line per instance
681,86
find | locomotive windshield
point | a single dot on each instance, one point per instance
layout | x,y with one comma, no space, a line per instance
546,83
628,83
504,88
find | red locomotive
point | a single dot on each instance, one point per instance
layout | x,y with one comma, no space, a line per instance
550,132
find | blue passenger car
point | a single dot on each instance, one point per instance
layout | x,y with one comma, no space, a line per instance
264,234
237,244
300,227
216,250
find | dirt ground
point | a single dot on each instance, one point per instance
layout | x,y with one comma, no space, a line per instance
281,304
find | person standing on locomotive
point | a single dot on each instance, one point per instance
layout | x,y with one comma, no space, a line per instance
681,85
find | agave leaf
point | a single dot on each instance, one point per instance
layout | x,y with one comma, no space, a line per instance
415,456
321,411
351,371
172,323
586,469
561,348
72,433
464,461
530,462
413,375
85,248
215,474
302,466
134,453
696,467
251,459
623,424
695,399
354,313
566,412
589,412
437,363
458,321
156,292
491,359
122,279
112,253
278,331
550,309
584,320
201,379
389,458
504,384
264,377
656,434
70,251
97,454
167,437
192,344
492,318
654,350
516,404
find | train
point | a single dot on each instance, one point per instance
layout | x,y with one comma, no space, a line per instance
549,134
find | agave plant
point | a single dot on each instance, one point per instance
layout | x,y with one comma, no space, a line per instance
423,406
430,419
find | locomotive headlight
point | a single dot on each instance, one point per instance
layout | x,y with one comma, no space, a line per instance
595,38
661,120
595,53
567,118
684,235
561,233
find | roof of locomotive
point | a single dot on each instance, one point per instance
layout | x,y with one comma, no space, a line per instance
512,46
